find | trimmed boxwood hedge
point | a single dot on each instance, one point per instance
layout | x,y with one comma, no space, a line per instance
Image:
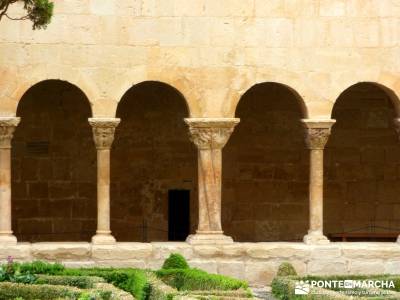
82,282
195,279
10,290
175,261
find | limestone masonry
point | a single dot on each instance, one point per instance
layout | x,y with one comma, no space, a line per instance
275,122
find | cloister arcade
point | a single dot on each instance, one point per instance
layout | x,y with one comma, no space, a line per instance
155,172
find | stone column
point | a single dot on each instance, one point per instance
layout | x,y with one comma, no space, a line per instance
210,136
7,128
103,134
317,134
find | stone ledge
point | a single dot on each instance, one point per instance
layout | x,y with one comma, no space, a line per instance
122,251
60,251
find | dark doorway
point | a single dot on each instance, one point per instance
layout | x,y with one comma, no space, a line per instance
178,214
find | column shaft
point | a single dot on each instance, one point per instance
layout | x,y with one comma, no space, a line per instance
7,128
317,134
210,136
103,134
103,191
316,190
5,192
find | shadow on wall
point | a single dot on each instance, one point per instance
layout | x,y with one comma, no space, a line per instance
362,157
54,194
265,168
151,155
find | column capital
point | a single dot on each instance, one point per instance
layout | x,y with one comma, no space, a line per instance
317,132
211,133
7,128
103,131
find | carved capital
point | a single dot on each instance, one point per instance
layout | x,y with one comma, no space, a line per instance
211,133
103,131
7,128
317,132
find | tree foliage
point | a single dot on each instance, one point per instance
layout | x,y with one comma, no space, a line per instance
37,11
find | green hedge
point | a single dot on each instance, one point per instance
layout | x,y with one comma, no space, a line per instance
9,290
195,279
82,282
175,261
133,281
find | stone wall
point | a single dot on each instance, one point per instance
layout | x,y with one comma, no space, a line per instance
362,163
255,262
211,51
151,154
265,169
54,193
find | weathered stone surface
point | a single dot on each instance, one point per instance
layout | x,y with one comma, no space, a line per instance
208,251
260,273
371,251
325,267
122,251
392,267
61,251
164,249
20,251
210,266
277,250
366,267
231,268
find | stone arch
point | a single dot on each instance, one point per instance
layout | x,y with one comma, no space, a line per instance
54,194
390,93
360,162
265,168
77,80
296,95
151,155
180,87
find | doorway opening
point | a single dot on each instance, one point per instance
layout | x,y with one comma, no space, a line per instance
178,215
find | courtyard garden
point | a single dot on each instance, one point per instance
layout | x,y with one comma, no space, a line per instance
175,280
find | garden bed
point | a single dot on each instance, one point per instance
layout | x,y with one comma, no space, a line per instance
176,280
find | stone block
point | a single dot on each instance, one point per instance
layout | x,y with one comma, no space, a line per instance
122,251
234,250
209,266
260,273
392,267
332,8
277,250
61,251
325,267
19,252
102,8
366,267
207,250
161,250
231,268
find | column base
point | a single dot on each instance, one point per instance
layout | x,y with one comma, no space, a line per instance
315,238
8,238
103,239
209,238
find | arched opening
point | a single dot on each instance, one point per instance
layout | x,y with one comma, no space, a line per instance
53,192
265,168
153,167
362,156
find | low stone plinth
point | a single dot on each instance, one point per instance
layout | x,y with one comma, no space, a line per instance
255,262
